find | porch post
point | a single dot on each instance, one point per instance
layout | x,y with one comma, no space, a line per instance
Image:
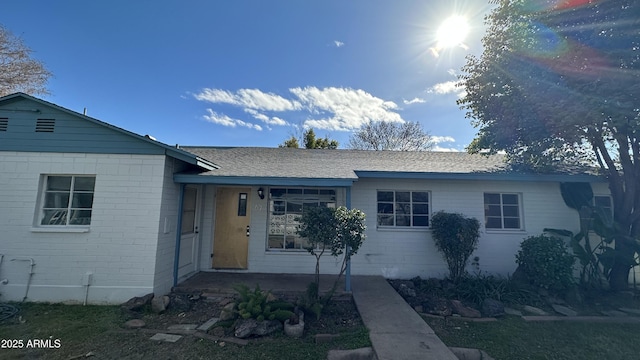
347,279
178,235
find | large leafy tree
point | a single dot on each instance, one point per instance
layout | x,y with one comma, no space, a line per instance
18,70
385,135
559,83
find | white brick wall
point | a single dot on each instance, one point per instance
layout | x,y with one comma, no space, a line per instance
120,248
408,253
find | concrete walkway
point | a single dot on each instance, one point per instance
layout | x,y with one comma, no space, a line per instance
396,331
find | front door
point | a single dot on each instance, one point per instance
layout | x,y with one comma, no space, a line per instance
187,261
231,234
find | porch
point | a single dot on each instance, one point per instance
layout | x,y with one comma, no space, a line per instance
223,282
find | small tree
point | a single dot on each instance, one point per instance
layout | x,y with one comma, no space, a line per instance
340,231
310,141
456,237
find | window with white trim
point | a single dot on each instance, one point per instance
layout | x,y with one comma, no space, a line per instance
605,202
403,208
285,208
67,200
502,211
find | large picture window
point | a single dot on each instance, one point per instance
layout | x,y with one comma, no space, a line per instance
502,211
285,208
403,208
67,200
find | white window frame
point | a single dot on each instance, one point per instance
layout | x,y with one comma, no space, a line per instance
411,207
502,205
66,210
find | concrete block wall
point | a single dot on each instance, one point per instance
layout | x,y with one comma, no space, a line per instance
119,248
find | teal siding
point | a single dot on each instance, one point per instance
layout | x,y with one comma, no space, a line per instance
73,134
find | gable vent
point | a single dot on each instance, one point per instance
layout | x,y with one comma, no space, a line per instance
45,125
4,123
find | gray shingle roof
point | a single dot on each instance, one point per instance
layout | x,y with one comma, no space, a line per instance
338,164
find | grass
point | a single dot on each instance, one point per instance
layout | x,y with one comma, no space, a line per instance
98,329
513,338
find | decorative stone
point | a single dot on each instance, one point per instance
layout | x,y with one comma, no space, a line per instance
166,337
630,311
564,310
137,303
511,311
492,308
534,310
406,291
355,354
207,325
228,312
158,305
134,324
248,327
182,327
613,313
464,311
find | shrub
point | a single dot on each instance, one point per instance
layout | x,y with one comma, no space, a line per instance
254,304
546,262
456,237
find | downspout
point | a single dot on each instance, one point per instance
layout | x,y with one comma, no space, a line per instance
31,266
178,235
347,279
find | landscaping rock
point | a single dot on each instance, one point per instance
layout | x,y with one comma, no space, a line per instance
248,327
166,337
564,310
137,303
134,324
207,325
181,302
511,311
158,305
355,354
406,291
228,312
613,313
492,308
470,354
534,310
630,311
437,306
460,309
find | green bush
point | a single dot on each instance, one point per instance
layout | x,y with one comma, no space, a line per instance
456,237
546,262
254,304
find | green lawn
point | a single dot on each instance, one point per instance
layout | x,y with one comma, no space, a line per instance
98,329
512,338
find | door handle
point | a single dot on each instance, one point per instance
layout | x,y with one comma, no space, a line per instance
248,232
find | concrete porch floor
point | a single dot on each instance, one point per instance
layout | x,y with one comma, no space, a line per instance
223,282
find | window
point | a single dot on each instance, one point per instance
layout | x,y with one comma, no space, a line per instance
67,200
502,211
604,202
285,207
403,208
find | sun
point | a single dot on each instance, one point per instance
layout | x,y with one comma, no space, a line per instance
452,32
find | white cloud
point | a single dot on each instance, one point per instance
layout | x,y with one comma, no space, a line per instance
351,108
448,87
340,109
414,101
338,43
224,120
274,120
452,72
441,139
248,98
445,149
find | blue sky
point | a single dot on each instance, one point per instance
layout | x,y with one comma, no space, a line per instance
252,72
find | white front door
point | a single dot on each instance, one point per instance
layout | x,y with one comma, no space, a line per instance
187,262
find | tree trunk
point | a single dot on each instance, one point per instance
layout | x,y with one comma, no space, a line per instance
619,275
